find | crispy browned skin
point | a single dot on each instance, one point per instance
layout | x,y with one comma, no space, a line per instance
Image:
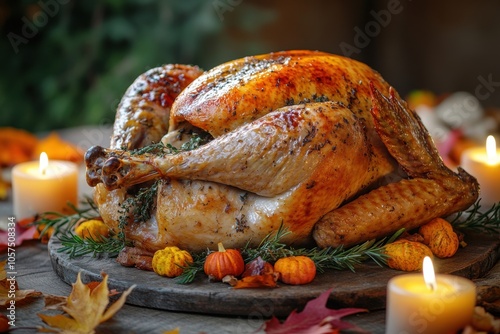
143,113
433,190
246,89
316,156
284,153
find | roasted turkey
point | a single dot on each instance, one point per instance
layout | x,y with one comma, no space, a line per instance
317,142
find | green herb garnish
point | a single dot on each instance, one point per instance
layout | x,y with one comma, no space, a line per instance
271,249
476,219
63,223
76,246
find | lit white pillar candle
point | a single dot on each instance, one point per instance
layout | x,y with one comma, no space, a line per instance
41,186
429,303
484,164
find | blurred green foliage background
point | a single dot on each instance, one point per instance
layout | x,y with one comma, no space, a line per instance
73,63
66,63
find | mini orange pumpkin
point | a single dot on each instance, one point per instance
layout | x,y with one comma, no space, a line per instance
223,262
296,270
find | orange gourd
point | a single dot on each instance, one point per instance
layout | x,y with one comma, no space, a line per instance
295,270
223,262
439,236
406,255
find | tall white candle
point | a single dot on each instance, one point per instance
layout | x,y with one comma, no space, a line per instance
484,164
445,304
41,186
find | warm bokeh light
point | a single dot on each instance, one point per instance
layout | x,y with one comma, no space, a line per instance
429,275
491,149
44,163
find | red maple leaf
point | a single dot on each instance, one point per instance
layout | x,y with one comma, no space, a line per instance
316,318
24,231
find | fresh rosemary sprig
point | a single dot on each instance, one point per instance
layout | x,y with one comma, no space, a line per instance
271,249
63,223
76,246
476,219
189,272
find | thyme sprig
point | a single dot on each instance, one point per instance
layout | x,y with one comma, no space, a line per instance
62,223
140,205
195,140
76,246
477,219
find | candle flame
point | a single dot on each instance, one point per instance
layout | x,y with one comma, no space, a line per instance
429,275
44,163
491,149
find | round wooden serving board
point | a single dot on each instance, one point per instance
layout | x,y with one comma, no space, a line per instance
365,288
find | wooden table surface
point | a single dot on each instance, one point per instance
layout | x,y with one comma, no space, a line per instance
34,271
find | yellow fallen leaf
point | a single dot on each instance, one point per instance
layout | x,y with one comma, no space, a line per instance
86,308
9,291
54,302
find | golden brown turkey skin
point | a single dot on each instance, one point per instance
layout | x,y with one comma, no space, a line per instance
243,90
284,153
143,113
433,190
316,156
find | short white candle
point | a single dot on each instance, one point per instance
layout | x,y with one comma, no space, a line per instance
41,186
484,164
444,305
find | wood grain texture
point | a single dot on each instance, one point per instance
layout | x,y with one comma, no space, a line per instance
365,288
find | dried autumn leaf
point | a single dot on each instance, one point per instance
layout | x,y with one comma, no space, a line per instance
258,274
257,267
316,318
9,284
24,231
54,302
86,308
92,285
257,281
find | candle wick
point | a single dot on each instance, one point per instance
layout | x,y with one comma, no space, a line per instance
432,286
